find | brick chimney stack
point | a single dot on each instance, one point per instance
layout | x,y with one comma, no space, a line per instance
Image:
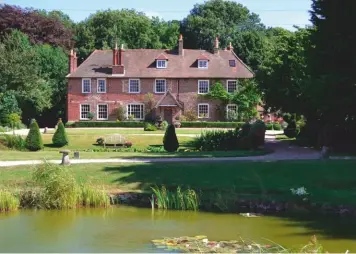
118,67
230,47
180,45
115,55
73,62
216,45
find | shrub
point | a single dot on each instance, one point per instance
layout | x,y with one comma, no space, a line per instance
257,134
190,115
91,115
149,127
14,119
104,124
34,139
232,116
164,125
127,144
211,124
2,129
170,141
92,197
60,137
100,141
277,126
216,140
269,126
121,113
15,142
8,201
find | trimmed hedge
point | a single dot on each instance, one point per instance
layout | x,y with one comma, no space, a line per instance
211,124
104,124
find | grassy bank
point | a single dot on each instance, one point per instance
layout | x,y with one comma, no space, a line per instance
330,182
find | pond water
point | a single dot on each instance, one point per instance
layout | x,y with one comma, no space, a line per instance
127,229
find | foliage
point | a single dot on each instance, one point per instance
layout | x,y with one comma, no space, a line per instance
232,116
257,134
150,103
127,144
178,200
170,141
34,139
100,141
211,124
164,125
121,113
14,119
15,142
40,29
149,127
216,140
91,115
8,201
8,105
60,137
93,197
104,124
190,115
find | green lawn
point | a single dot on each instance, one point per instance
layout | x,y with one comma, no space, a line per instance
331,182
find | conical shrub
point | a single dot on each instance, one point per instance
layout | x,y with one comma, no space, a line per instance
60,137
34,139
170,141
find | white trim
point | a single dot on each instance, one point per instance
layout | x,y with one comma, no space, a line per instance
208,109
165,65
136,103
80,111
199,84
83,84
165,86
139,85
97,85
227,85
97,111
231,105
207,64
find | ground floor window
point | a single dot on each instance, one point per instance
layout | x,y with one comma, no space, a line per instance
231,107
203,110
135,111
84,110
102,112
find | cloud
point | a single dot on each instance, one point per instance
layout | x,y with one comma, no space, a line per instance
151,14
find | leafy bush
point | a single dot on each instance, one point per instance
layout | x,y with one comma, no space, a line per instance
211,124
190,115
14,119
277,126
2,129
34,139
257,134
149,127
269,126
121,113
15,142
8,201
232,116
164,125
100,141
60,137
104,124
127,144
170,141
91,115
216,140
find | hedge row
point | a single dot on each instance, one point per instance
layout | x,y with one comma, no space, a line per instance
211,124
103,124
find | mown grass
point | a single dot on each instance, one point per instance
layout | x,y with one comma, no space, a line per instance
331,182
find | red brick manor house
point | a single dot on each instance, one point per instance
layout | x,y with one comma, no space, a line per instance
176,78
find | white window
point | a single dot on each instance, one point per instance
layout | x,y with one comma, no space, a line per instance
102,112
101,86
86,85
203,110
160,86
84,110
136,110
202,64
161,64
231,107
134,86
231,86
203,86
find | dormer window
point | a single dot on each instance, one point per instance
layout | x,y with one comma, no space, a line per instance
203,64
161,64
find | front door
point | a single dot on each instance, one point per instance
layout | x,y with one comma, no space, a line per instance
168,115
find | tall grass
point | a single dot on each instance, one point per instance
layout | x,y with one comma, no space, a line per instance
90,197
15,142
8,201
178,200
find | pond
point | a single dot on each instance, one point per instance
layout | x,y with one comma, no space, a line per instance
128,229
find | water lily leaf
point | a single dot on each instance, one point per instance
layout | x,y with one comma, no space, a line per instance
158,241
200,237
161,246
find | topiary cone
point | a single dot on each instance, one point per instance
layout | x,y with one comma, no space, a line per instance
170,141
34,139
60,137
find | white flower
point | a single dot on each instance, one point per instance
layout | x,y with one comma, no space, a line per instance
301,191
205,240
249,247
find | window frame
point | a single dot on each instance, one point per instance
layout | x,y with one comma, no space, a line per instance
139,86
199,85
232,61
161,61
203,61
227,107
208,115
86,79
227,85
165,86
80,111
97,85
97,112
136,103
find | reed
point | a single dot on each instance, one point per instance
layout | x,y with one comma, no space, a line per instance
8,201
91,197
177,200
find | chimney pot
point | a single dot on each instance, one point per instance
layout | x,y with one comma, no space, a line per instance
230,47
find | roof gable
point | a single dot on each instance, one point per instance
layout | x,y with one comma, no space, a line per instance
168,100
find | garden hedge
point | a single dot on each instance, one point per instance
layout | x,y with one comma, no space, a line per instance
211,124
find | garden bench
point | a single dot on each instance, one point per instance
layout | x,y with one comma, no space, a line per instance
65,157
114,139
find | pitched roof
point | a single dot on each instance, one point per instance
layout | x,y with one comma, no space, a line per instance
162,57
203,57
168,100
140,63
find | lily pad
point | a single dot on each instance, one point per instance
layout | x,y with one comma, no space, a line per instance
200,237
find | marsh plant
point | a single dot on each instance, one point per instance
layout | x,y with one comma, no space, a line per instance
177,200
8,201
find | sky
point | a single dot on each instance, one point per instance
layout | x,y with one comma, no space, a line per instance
282,13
